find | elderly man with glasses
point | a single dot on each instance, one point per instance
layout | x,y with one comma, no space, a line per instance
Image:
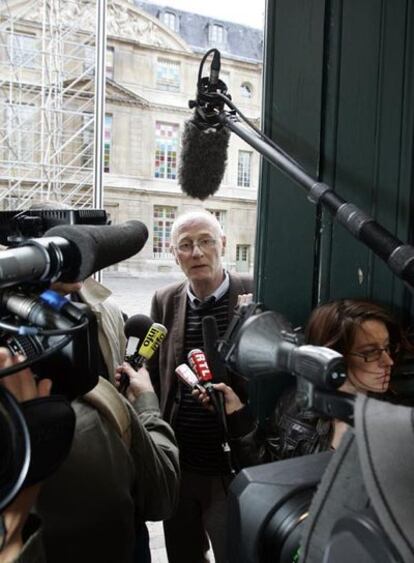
198,244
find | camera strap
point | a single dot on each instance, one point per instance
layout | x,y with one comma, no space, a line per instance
110,403
385,438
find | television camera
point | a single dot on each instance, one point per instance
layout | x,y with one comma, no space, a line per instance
56,337
271,518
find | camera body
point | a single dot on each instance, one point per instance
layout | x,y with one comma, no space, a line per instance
274,513
58,339
267,507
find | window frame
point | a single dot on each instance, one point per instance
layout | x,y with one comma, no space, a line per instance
165,238
166,157
244,174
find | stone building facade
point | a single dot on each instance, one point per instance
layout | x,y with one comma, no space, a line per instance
153,56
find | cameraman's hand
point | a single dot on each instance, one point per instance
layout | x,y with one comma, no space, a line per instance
22,384
232,402
139,381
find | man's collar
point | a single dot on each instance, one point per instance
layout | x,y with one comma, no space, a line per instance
217,294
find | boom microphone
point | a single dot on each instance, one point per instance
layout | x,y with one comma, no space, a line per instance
71,253
205,140
203,159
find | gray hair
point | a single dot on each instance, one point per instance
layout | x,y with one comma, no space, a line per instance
192,216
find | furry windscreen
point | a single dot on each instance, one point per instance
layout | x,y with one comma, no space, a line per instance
203,160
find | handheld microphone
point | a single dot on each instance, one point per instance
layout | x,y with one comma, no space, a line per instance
188,377
143,338
205,141
210,338
71,253
198,363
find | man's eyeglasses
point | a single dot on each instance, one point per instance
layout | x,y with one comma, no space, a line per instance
203,244
376,353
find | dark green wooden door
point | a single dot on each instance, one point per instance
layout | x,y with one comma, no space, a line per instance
339,98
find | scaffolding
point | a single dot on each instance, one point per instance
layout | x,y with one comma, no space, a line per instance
50,81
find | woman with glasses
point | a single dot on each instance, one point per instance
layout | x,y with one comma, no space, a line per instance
368,338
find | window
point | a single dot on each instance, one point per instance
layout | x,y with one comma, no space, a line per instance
166,143
220,215
22,132
89,62
246,90
216,34
89,59
24,50
88,141
242,257
107,142
109,62
163,219
170,20
243,169
168,75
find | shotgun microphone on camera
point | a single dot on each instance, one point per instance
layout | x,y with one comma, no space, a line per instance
70,253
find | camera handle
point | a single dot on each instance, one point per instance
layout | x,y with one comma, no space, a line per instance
335,404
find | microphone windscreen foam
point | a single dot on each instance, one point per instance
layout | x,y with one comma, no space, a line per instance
203,160
100,246
137,325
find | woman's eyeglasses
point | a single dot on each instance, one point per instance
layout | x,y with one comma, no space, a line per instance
375,354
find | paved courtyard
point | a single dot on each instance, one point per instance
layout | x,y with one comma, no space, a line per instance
133,292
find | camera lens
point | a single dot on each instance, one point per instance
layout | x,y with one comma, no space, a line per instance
282,535
15,448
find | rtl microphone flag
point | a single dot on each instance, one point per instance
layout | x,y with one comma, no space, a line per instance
198,363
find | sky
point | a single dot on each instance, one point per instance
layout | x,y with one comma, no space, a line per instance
237,11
